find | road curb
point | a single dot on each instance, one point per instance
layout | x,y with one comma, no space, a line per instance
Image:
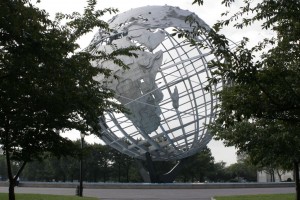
151,185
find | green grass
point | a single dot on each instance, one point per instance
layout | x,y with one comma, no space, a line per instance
259,197
4,196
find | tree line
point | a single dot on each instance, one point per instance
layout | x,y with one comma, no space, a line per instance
102,163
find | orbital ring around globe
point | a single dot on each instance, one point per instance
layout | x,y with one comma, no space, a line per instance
163,87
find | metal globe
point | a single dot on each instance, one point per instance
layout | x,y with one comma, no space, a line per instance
163,89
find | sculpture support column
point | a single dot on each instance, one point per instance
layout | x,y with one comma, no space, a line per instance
150,174
151,169
143,172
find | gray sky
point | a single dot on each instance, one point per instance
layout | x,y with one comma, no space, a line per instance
210,12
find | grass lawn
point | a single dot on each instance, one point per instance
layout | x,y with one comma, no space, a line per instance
4,196
259,197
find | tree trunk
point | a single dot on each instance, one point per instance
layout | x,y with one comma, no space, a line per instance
279,175
12,179
127,173
119,172
296,174
273,177
184,178
11,190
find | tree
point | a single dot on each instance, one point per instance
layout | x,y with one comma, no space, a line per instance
219,173
46,85
121,165
259,110
97,157
242,172
100,163
3,169
199,167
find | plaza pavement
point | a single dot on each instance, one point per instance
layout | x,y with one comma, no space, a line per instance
152,194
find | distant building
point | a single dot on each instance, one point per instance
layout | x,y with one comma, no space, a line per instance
275,176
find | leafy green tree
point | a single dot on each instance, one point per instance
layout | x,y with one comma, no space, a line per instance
3,169
242,172
37,171
100,163
71,168
203,165
219,173
93,161
259,108
52,168
198,167
46,84
121,165
104,162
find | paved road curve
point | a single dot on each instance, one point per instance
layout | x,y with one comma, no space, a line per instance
152,194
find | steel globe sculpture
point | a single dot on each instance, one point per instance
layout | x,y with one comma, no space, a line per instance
163,89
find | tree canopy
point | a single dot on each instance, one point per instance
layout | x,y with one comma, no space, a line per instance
46,83
259,108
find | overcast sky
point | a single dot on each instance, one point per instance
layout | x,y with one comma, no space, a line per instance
210,12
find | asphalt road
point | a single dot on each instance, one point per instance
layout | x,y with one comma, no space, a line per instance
152,194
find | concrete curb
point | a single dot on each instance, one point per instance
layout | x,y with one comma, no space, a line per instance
151,185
